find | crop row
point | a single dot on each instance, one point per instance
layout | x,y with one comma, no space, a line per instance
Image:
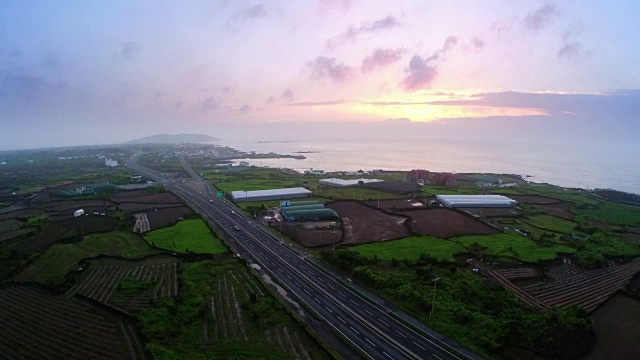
102,278
142,223
227,314
518,273
38,325
289,343
588,289
563,271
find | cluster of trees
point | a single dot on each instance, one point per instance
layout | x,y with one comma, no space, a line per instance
489,319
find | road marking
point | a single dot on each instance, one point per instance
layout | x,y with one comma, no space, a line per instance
316,299
342,294
331,286
368,312
401,333
328,309
354,330
354,302
322,280
339,318
369,341
385,324
419,346
389,356
288,277
436,356
305,290
297,283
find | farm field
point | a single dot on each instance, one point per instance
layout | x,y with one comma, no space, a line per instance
551,223
58,260
615,214
561,210
587,289
159,198
512,245
399,204
39,325
411,248
187,236
445,223
58,230
362,224
228,315
492,212
168,216
616,326
128,285
311,237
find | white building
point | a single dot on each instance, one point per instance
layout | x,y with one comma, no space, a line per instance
476,201
110,162
343,183
271,194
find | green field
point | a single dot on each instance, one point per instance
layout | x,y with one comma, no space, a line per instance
187,236
614,213
60,259
411,248
552,223
513,245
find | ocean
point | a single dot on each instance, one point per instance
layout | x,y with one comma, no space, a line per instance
586,166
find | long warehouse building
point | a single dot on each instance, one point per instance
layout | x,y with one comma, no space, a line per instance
476,201
271,194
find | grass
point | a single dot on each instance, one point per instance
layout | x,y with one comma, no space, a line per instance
187,236
513,245
60,259
551,223
614,213
411,248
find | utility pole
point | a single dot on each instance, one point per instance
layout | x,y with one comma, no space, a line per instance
433,302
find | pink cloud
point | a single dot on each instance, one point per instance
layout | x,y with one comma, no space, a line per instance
386,23
381,58
422,71
419,74
540,18
323,67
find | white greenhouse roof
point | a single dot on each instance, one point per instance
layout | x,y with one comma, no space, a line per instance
270,192
349,182
476,200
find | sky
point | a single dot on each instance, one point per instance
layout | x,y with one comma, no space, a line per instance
95,72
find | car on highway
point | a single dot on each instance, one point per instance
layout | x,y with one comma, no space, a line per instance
211,201
236,228
233,212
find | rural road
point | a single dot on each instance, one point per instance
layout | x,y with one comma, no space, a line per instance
366,325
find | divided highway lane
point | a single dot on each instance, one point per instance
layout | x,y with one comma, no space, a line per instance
367,325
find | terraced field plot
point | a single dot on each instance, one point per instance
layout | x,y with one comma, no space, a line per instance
187,236
445,223
513,245
224,312
103,278
411,248
39,325
586,289
60,259
362,224
551,223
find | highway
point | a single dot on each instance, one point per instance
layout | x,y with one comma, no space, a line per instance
365,326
